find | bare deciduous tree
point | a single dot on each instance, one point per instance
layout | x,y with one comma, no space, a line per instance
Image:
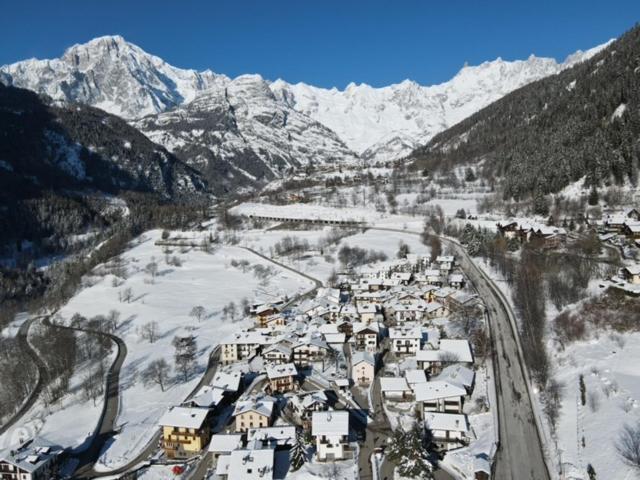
628,445
150,331
126,295
157,372
152,269
198,312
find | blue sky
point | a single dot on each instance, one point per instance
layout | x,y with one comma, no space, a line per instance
326,43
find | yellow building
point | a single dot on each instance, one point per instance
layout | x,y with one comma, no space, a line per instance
185,431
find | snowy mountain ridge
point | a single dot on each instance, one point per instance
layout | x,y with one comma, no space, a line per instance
389,122
384,123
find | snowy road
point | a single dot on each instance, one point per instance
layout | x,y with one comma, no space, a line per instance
22,335
520,453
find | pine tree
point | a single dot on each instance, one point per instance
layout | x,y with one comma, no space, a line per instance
408,451
593,197
540,203
467,234
298,453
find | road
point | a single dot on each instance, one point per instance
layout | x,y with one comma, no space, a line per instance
520,453
310,293
106,424
22,337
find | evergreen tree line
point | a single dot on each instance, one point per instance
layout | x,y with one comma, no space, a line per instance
555,131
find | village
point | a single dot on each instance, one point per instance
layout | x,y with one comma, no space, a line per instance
305,381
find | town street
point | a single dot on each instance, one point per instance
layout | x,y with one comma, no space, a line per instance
520,453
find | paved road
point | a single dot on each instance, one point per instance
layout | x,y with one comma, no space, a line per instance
520,453
106,424
22,336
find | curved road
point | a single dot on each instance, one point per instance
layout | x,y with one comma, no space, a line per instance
30,401
104,430
520,452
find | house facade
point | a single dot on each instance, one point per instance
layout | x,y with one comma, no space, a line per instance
282,378
363,370
331,432
185,431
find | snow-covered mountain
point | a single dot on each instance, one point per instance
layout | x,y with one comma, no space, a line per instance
389,122
111,74
251,128
243,124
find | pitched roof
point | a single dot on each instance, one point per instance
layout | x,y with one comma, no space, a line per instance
251,464
227,381
330,423
281,371
458,375
282,434
460,348
437,389
360,357
394,384
452,422
262,406
225,442
186,417
415,376
207,397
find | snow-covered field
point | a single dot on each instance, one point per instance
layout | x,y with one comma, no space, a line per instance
69,422
609,366
203,279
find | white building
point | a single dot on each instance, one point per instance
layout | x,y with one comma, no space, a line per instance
449,430
331,431
363,370
439,396
242,345
405,340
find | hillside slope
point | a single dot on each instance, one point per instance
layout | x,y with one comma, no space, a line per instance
582,122
47,152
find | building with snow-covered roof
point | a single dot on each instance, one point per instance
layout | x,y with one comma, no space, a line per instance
275,436
251,464
277,353
185,431
448,351
227,381
331,432
242,345
363,369
367,311
309,349
458,375
30,462
282,377
365,336
207,397
394,388
631,273
448,430
439,396
415,376
224,443
253,413
405,340
456,280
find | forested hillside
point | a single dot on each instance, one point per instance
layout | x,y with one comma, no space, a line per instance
62,168
582,122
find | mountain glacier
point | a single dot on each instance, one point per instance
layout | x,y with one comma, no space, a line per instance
247,129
